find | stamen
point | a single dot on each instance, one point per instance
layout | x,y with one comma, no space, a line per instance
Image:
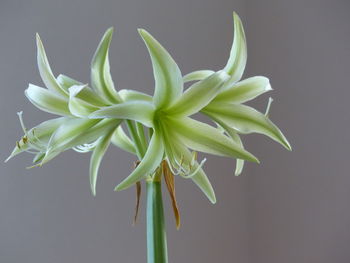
196,170
268,107
22,122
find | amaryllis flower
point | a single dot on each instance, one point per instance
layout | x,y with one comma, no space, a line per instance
218,95
174,132
74,101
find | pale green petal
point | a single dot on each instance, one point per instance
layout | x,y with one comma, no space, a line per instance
202,181
66,82
96,159
45,70
235,137
246,120
121,140
79,107
75,132
148,164
101,78
139,111
127,94
205,138
197,75
86,94
70,129
238,56
47,100
198,95
244,90
167,75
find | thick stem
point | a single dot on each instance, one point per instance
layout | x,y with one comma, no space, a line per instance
156,235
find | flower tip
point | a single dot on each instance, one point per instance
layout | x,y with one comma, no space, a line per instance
117,188
142,32
288,146
38,40
110,30
213,200
235,16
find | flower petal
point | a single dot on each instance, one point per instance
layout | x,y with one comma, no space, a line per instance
96,159
167,75
45,70
101,78
148,164
235,137
47,100
139,111
197,75
121,140
66,82
77,106
244,90
246,120
127,94
238,56
205,138
202,181
74,132
198,95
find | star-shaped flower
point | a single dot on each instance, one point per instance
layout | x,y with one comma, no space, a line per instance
167,113
73,101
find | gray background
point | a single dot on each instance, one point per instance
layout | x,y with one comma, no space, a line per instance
294,207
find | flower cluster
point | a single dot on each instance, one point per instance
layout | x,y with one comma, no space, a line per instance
160,127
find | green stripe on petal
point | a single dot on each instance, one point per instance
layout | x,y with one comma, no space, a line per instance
167,75
139,111
101,78
122,140
205,138
77,106
197,75
47,100
45,69
127,94
244,90
148,164
238,56
198,95
246,120
96,158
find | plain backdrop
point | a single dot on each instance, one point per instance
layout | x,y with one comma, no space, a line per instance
293,207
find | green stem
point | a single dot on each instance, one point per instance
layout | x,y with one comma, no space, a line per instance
156,236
